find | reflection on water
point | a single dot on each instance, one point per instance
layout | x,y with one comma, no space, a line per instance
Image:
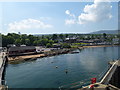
89,63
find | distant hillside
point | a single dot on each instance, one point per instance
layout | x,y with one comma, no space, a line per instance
106,31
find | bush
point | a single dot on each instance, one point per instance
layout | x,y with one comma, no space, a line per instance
65,45
73,46
48,45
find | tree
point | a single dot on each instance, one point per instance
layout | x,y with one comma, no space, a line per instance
66,35
48,45
23,37
48,37
43,42
61,36
35,42
23,41
10,40
42,36
55,41
4,41
15,36
27,42
10,34
104,35
31,38
51,41
54,36
7,40
18,42
65,45
92,36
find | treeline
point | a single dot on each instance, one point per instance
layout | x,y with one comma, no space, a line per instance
49,39
30,40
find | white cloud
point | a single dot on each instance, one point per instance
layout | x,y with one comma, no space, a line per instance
72,18
70,21
98,11
67,12
27,24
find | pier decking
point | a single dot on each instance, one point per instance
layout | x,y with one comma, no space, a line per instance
2,67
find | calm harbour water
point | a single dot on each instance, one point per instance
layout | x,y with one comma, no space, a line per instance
42,73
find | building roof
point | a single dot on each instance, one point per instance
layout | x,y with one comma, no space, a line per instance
21,48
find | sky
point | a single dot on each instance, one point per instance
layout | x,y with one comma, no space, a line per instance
57,17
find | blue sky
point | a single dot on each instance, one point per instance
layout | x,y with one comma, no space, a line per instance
58,17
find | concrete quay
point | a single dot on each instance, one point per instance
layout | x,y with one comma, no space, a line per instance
110,81
3,59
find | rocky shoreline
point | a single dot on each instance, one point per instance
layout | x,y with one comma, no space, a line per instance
45,54
51,53
100,46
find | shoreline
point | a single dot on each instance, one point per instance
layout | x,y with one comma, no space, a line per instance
52,53
25,57
100,46
45,54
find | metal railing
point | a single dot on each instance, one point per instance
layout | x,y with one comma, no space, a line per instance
109,74
75,85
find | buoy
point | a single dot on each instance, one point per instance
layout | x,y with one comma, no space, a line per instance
66,71
56,66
